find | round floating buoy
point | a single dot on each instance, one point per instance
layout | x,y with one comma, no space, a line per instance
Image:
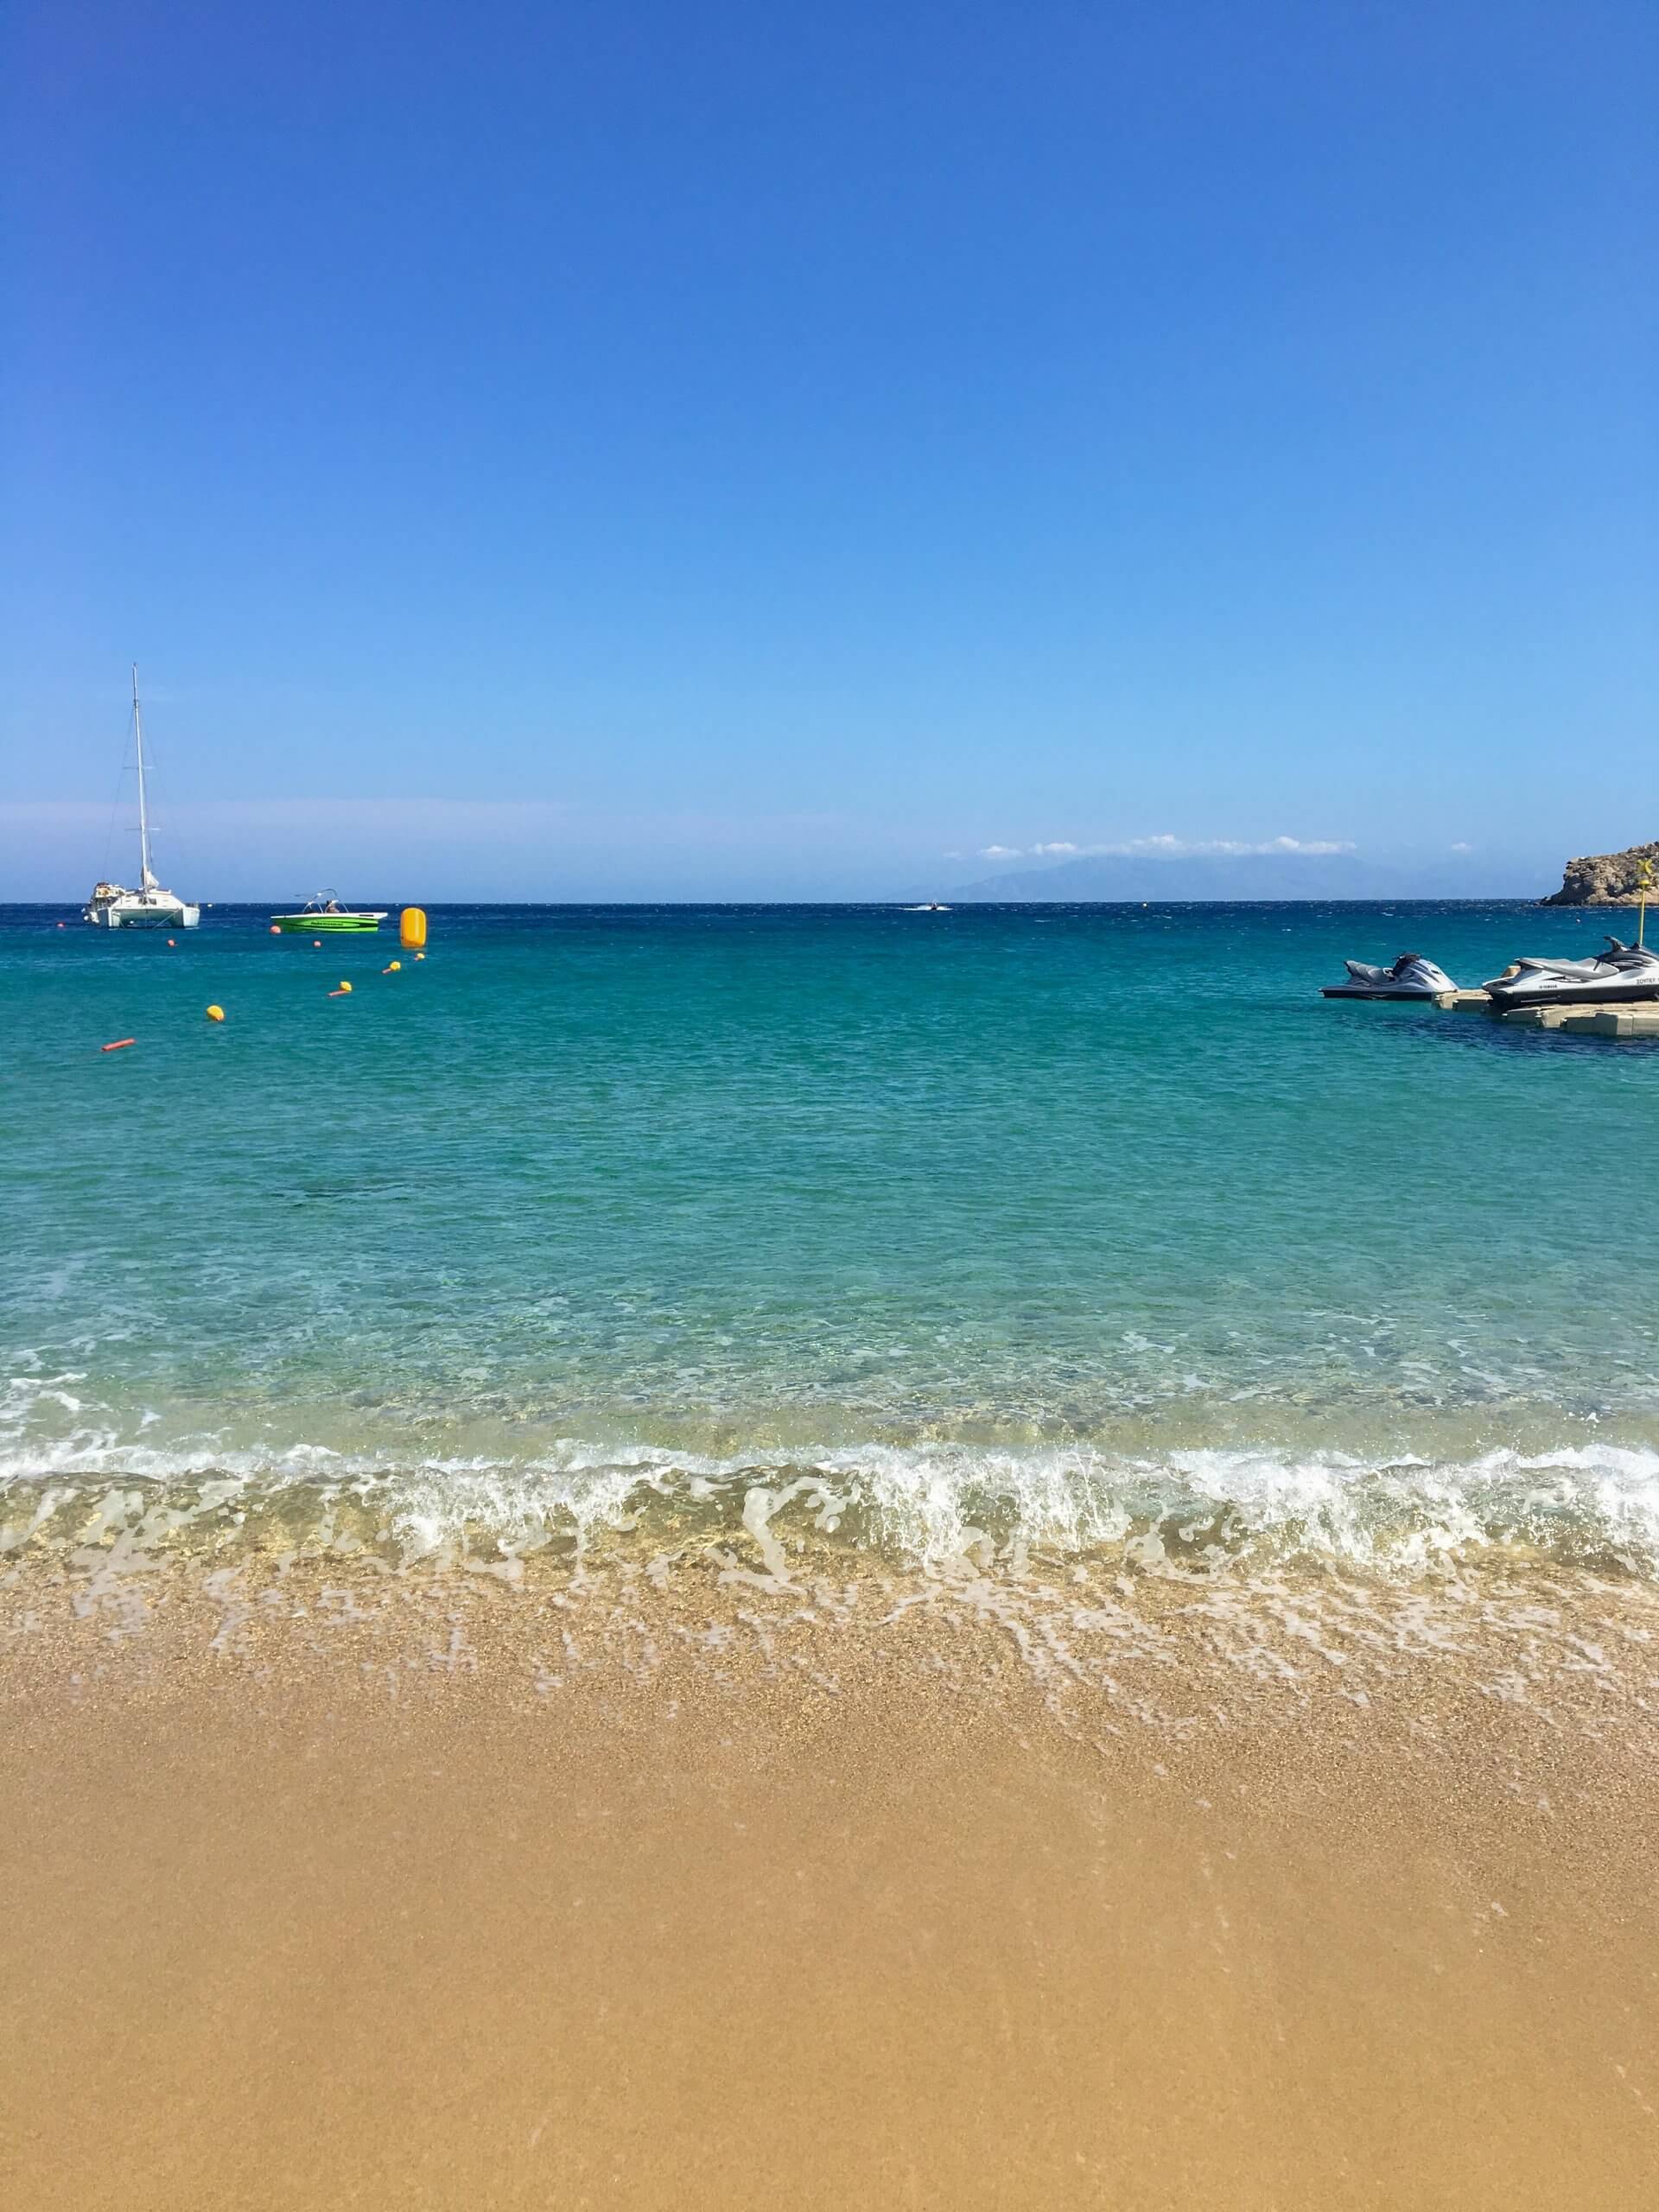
316,944
274,931
215,1014
61,926
172,940
119,1046
392,968
420,955
411,928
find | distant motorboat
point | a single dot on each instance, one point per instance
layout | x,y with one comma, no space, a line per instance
1410,977
324,912
111,906
932,906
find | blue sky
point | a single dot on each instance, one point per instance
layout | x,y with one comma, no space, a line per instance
722,449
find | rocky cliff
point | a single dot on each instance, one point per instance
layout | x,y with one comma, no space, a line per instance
1605,878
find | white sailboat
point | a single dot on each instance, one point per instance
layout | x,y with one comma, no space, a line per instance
149,907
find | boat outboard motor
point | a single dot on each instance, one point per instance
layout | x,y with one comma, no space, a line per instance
1410,977
1622,972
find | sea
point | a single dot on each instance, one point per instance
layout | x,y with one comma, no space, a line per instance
1017,1234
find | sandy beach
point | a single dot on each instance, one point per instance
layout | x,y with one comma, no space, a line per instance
332,1887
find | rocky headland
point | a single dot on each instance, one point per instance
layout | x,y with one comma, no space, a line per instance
1606,878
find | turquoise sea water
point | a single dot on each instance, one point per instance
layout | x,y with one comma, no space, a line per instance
1050,1227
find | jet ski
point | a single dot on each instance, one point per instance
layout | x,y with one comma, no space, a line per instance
1624,971
1410,977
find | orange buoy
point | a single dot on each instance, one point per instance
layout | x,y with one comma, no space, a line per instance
411,928
316,944
119,1046
274,931
215,1014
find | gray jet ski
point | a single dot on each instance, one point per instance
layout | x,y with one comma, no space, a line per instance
1624,971
1410,977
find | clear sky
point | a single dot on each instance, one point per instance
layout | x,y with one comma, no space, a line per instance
696,448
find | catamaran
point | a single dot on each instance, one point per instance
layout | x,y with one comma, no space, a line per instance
150,907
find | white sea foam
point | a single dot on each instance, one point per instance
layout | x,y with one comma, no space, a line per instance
71,1482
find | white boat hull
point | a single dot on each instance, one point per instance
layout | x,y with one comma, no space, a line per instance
144,914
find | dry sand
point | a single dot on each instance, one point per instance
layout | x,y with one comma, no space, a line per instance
378,1892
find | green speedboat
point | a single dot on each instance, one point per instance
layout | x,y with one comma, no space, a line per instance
325,912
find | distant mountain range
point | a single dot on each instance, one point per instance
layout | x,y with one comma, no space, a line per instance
1237,876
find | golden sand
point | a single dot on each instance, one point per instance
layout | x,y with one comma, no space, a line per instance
685,1890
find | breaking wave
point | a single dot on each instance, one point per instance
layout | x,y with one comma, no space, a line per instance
76,1489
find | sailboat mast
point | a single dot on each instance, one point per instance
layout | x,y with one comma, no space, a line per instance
145,878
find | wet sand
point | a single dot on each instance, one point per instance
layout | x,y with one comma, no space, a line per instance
359,1893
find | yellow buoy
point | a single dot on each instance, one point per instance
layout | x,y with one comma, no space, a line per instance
420,955
392,968
411,928
215,1014
344,985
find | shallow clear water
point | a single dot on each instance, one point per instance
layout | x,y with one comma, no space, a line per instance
1063,1227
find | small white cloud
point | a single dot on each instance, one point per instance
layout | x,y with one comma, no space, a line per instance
1166,847
1463,846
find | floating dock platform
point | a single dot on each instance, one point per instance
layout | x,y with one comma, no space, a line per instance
1626,1018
